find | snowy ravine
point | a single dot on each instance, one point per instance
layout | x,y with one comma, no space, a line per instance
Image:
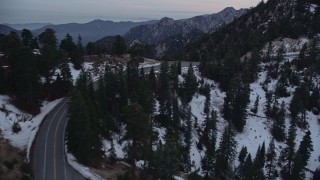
257,129
29,124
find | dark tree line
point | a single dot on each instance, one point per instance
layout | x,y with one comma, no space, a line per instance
27,72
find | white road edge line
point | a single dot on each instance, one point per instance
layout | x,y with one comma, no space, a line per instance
45,147
54,144
64,148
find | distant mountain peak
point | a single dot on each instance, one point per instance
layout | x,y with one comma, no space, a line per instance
228,9
166,20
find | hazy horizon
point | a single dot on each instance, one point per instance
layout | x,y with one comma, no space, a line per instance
82,11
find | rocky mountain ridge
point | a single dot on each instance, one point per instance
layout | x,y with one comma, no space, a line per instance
167,27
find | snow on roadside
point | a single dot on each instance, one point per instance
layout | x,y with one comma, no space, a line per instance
29,124
83,170
145,65
178,178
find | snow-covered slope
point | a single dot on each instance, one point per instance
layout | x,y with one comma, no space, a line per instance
257,128
10,115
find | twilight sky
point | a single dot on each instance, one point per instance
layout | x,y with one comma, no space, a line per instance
80,11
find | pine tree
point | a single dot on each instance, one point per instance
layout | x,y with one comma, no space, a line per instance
66,78
208,161
235,104
166,160
26,80
271,167
164,81
228,69
258,163
34,43
152,80
206,109
3,82
164,89
269,51
71,50
119,47
278,128
122,88
112,156
243,153
313,51
256,105
239,108
173,76
49,53
10,43
27,37
268,104
82,141
302,57
179,68
78,60
262,154
316,174
145,96
138,130
287,154
245,171
251,67
240,170
137,51
299,103
190,85
281,90
90,48
274,69
48,38
314,100
302,157
176,121
133,79
225,155
187,140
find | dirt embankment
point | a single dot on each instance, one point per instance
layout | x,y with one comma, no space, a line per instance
11,160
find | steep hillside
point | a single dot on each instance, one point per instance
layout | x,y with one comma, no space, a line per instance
263,23
266,22
166,27
172,48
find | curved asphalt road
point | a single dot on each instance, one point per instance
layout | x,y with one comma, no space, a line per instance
49,160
